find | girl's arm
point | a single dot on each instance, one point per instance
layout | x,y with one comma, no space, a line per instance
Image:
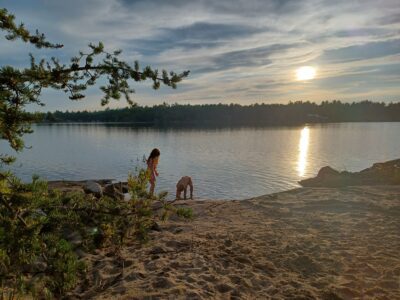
155,170
155,164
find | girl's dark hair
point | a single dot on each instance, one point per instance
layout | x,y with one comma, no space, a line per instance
154,153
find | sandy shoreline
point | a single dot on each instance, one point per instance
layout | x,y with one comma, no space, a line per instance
308,243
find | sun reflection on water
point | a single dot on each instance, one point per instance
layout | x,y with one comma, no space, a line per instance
303,151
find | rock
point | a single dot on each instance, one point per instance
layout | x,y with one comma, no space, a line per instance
74,238
327,177
122,187
327,171
177,230
155,227
111,191
387,173
157,250
80,253
228,243
92,187
39,265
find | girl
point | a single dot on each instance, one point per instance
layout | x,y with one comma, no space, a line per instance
152,163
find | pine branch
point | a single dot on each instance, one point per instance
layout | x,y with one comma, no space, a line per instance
19,88
15,31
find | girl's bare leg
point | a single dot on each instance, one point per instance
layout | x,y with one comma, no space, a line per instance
152,186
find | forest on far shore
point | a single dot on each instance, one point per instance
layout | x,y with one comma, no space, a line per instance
292,113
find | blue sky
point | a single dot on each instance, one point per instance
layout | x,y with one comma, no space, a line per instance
237,51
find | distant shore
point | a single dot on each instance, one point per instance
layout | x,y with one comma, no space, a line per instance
262,114
311,243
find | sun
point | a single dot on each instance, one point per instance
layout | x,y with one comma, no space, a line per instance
305,73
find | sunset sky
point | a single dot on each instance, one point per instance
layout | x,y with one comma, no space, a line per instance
237,51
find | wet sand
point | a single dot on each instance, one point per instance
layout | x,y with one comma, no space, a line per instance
308,243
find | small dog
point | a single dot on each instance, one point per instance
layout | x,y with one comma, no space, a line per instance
182,185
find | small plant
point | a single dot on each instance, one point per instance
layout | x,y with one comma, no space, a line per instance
184,212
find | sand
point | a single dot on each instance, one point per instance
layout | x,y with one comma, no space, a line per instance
308,243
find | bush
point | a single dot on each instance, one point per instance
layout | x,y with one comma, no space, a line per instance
41,231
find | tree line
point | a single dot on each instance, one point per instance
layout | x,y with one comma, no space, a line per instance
293,113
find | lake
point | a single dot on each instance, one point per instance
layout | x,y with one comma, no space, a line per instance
224,163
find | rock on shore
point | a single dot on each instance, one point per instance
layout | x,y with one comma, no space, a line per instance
98,188
386,173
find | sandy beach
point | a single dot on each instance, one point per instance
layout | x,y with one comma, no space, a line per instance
307,243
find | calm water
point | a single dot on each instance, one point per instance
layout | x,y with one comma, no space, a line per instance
224,163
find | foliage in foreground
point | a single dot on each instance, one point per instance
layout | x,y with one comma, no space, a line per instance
42,231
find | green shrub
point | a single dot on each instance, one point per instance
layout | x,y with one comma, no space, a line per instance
41,231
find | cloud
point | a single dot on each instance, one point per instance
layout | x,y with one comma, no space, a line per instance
248,58
361,52
236,49
194,36
390,19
